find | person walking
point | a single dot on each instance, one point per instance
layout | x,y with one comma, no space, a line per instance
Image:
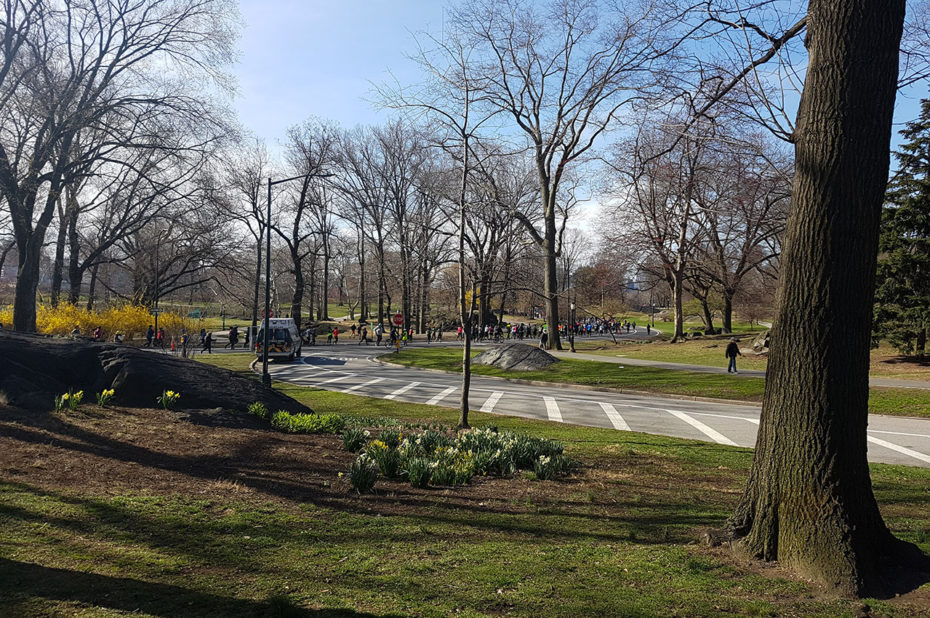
731,353
149,335
208,343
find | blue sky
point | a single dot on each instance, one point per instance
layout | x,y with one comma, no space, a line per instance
302,58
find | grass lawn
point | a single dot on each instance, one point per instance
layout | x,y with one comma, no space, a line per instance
108,512
886,362
707,352
894,401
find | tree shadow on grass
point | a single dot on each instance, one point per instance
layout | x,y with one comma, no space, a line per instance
22,582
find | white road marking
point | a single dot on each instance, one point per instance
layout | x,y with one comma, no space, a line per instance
900,449
615,419
362,385
711,433
552,409
440,396
336,379
402,390
491,401
900,433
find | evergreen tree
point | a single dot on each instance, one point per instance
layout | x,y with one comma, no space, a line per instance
902,295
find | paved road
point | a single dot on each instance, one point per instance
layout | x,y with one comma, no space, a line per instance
353,369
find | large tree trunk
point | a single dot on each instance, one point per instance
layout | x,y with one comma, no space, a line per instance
708,317
58,266
92,287
362,299
675,287
297,301
75,268
727,321
258,277
809,500
551,285
322,312
27,283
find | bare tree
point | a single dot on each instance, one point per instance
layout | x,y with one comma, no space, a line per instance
245,176
358,162
77,65
809,501
308,214
564,71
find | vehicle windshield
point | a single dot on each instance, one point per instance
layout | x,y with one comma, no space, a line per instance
276,334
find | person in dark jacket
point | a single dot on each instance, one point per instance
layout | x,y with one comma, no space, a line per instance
731,353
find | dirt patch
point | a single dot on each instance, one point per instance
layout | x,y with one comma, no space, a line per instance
214,454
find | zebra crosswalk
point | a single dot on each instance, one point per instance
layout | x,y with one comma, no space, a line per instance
725,424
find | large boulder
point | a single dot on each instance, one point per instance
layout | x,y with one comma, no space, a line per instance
760,345
36,369
516,357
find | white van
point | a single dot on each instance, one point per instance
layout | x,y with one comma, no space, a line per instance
283,339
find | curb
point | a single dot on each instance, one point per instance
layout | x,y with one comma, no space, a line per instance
581,387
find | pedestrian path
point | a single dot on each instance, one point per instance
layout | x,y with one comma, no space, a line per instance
641,362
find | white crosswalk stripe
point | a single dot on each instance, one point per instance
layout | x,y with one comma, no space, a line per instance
710,432
900,449
440,396
402,390
336,379
492,401
615,419
362,385
552,409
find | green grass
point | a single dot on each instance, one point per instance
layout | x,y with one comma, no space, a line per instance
594,373
892,401
620,539
707,352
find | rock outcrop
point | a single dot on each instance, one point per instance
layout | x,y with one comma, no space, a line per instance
35,369
516,357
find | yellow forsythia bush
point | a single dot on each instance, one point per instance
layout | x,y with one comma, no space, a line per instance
131,320
6,316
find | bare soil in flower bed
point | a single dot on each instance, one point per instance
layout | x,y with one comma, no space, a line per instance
210,454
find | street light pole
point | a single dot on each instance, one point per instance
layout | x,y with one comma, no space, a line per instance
266,377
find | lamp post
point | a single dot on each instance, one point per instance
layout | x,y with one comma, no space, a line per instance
571,329
266,377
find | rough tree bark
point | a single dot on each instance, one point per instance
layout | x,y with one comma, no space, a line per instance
809,500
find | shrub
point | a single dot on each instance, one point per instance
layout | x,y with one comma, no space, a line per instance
387,458
419,471
354,439
104,397
258,409
363,473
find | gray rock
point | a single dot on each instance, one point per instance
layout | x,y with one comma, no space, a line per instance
516,357
36,369
760,345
